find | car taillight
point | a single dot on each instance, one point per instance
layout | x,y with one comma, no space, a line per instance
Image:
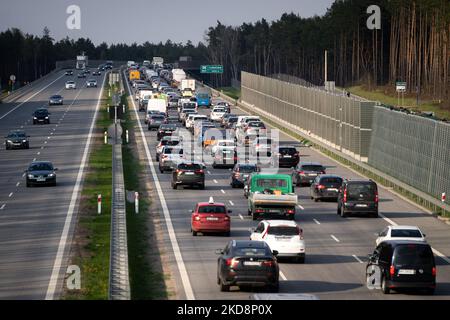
291,211
268,263
434,272
235,158
302,173
164,157
321,187
231,262
376,196
237,174
300,232
345,195
197,218
179,171
392,271
199,171
227,218
259,211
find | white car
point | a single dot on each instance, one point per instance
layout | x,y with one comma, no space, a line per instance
284,236
220,144
401,233
217,113
169,157
194,117
71,85
262,145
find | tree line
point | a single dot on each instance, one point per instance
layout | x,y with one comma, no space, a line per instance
413,45
28,57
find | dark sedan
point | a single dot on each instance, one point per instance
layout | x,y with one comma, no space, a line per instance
41,115
305,173
41,173
69,73
55,100
165,130
288,156
247,263
17,140
325,187
240,173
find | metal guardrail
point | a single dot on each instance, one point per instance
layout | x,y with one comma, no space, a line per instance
119,281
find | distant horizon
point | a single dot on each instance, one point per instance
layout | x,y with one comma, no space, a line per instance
138,24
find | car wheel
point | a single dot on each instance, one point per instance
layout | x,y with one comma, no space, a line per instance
375,215
161,169
28,146
7,147
316,199
384,288
174,186
202,186
227,234
224,288
28,185
343,214
194,233
254,216
301,260
157,158
429,291
274,288
54,184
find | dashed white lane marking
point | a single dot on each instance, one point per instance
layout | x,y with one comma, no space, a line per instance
223,191
21,127
316,221
301,207
283,276
45,142
39,153
10,195
209,172
231,202
51,133
76,190
17,184
357,259
169,225
30,97
240,216
215,181
3,206
335,239
42,148
23,174
34,159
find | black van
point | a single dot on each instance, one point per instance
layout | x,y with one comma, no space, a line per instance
358,196
405,264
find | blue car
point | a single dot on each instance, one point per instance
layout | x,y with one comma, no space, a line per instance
203,100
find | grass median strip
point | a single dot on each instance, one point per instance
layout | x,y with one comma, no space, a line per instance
91,245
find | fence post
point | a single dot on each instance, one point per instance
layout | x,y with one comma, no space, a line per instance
99,204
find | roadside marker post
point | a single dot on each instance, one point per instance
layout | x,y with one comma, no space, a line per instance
106,137
127,137
443,197
136,202
99,204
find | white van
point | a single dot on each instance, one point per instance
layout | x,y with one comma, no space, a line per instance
158,105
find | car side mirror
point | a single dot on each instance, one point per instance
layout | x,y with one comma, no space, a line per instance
230,211
25,171
56,169
191,211
275,252
219,251
252,230
424,235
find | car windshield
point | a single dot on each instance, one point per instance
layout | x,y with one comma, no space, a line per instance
232,119
219,110
365,189
41,112
413,255
203,95
41,167
211,209
312,168
331,181
284,231
189,166
405,233
16,135
287,150
158,117
247,169
250,252
271,183
56,97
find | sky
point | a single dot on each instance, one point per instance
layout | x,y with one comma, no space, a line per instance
119,21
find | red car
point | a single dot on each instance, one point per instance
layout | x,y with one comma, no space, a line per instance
210,217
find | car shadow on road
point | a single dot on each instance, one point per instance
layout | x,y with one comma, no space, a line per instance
316,286
323,259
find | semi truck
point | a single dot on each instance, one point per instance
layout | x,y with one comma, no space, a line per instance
271,196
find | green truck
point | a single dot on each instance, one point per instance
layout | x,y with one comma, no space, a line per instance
271,196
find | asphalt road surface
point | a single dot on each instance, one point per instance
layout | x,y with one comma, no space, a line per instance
336,248
32,220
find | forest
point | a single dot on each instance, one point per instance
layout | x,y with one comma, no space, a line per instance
413,45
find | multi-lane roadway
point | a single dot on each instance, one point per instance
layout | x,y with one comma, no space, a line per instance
36,224
337,248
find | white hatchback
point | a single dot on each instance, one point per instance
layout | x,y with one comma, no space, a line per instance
217,113
71,85
283,236
400,233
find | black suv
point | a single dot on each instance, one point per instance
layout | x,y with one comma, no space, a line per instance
404,264
41,115
358,196
305,173
188,174
288,156
325,187
240,173
17,139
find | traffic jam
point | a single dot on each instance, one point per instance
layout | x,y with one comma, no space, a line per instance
194,135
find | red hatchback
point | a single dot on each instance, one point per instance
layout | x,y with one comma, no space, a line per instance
210,217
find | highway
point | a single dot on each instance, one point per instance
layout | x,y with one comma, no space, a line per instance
336,248
36,224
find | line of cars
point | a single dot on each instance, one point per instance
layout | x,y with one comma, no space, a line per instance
272,201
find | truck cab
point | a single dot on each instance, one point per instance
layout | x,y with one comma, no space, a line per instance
271,196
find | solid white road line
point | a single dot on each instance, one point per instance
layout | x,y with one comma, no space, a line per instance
76,190
357,259
283,277
316,221
231,202
173,239
32,96
335,239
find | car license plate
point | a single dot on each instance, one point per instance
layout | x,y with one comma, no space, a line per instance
312,174
212,219
282,239
273,211
287,156
406,271
361,205
40,179
189,173
332,189
251,263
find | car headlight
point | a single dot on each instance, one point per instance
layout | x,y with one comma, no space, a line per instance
24,140
30,176
9,141
34,118
51,175
46,117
